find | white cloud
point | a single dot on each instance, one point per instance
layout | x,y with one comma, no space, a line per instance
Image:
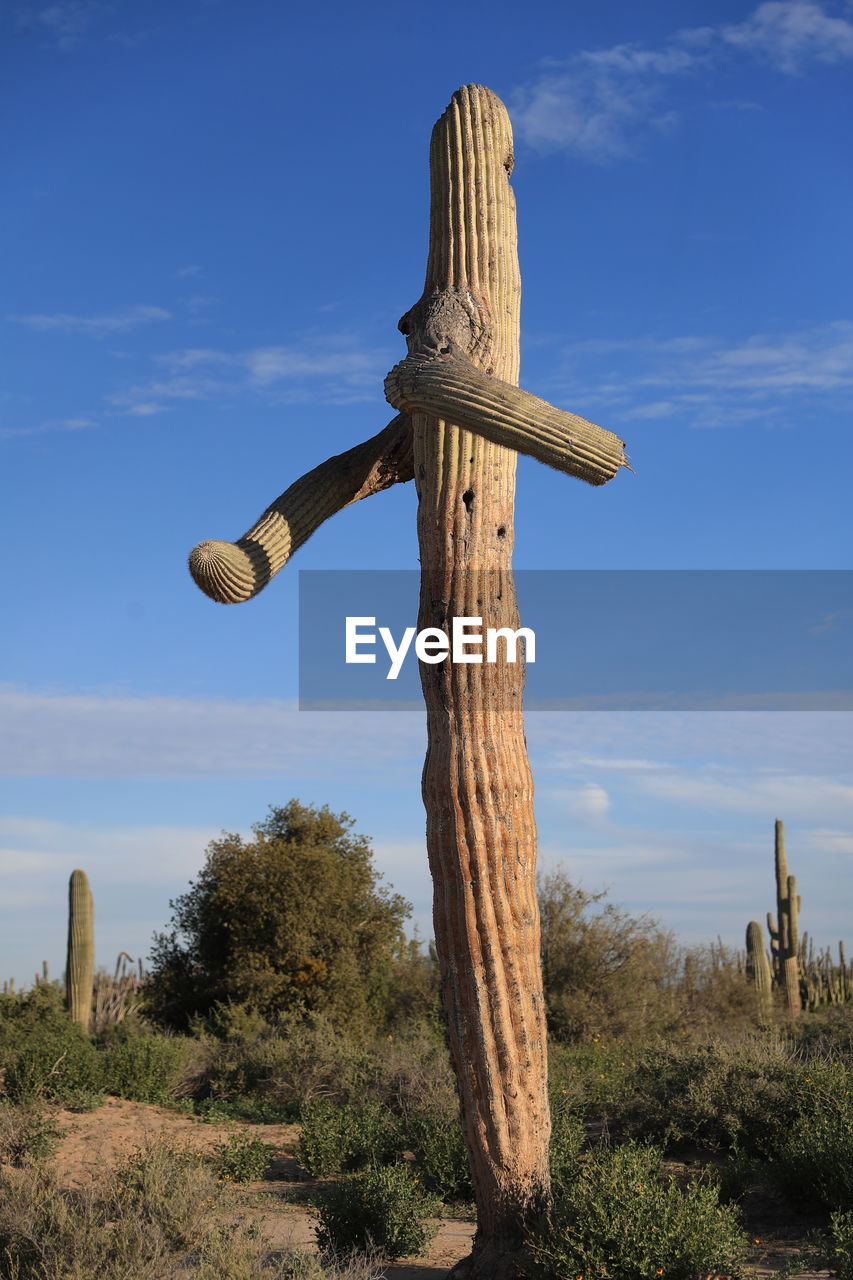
585,802
334,368
98,326
709,382
65,22
50,425
600,104
792,33
88,736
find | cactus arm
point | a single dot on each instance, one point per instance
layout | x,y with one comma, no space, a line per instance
453,389
230,572
758,966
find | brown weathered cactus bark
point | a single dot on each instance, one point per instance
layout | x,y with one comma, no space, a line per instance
477,785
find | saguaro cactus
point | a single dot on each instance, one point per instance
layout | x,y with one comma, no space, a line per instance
785,936
758,967
80,963
462,420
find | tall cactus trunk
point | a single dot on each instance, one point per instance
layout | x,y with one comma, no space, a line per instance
477,785
758,968
80,964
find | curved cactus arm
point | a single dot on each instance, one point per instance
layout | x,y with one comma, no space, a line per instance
455,390
231,572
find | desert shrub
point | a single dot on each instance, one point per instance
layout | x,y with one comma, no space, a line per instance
57,1064
171,1189
441,1157
383,1208
567,1138
150,1068
295,918
26,1134
603,969
841,1244
242,1158
348,1136
621,1218
43,1054
715,1094
411,1070
593,1078
811,1141
155,1207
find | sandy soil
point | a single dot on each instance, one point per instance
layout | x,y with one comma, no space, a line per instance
97,1138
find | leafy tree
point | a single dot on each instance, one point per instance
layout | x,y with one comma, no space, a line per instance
294,918
604,970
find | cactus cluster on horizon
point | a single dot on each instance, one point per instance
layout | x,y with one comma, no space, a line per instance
804,979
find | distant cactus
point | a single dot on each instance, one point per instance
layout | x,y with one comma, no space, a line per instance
758,967
80,966
785,936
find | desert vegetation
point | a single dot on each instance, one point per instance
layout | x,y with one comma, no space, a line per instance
697,1125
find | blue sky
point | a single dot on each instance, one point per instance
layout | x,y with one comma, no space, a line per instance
216,214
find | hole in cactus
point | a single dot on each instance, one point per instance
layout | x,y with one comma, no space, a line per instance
468,499
501,530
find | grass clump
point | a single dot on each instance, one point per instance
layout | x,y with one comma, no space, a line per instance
382,1209
26,1134
619,1217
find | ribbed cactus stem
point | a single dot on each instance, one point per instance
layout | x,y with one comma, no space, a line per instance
454,389
477,786
758,967
231,572
80,964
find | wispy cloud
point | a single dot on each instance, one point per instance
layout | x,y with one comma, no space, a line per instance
65,23
710,382
50,425
792,33
98,326
335,368
600,104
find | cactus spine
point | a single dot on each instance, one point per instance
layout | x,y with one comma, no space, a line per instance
785,936
80,966
758,967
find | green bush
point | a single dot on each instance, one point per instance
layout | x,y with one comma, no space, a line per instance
841,1246
56,1064
334,1138
149,1068
715,1094
441,1157
567,1137
811,1142
620,1218
383,1208
243,1158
